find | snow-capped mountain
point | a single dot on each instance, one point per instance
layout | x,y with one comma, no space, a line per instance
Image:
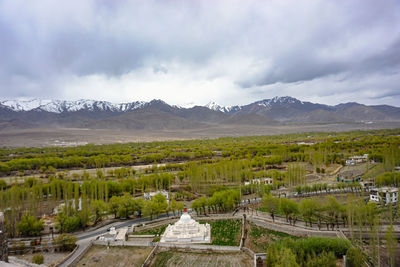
216,107
24,105
157,114
59,106
266,103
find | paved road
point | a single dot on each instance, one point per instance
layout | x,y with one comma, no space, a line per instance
85,238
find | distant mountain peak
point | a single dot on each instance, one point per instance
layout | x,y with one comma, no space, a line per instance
283,109
59,106
214,106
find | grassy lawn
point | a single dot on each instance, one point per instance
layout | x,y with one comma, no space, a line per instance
225,232
159,230
259,238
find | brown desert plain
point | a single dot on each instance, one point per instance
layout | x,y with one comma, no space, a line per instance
40,137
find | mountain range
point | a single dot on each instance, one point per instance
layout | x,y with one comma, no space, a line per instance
157,115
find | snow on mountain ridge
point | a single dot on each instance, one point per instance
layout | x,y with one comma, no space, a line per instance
24,105
59,106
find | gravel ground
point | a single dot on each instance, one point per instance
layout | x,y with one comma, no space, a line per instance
49,258
115,256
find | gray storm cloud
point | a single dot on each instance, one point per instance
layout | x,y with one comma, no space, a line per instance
232,52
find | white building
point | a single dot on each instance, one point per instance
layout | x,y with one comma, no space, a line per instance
385,194
260,181
150,195
187,230
110,236
357,159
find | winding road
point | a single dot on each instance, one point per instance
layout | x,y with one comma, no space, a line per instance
85,238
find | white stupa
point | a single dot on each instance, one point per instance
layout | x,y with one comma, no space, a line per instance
187,230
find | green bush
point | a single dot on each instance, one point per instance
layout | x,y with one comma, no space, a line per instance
38,259
317,245
354,257
67,242
30,226
280,256
324,259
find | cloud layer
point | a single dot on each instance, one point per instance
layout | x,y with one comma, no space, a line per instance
231,52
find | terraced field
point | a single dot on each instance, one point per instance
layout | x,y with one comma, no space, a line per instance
182,259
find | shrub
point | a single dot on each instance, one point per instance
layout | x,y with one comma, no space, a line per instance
354,257
317,245
38,259
67,242
30,226
280,256
324,259
72,224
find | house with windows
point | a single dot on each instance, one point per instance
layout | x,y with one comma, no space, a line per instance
263,181
356,160
385,195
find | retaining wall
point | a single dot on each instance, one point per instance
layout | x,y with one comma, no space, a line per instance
291,230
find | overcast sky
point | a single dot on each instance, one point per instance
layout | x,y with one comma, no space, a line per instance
193,52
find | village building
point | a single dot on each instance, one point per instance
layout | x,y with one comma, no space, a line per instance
187,230
110,236
264,181
357,160
385,195
150,195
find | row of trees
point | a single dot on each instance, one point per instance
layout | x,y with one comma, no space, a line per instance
319,187
311,252
360,217
91,212
267,150
220,201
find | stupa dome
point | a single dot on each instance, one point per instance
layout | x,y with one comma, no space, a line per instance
187,230
185,218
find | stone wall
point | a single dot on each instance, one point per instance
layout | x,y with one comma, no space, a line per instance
197,247
291,230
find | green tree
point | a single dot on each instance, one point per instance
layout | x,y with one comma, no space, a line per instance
172,206
114,204
278,256
149,208
99,209
160,203
30,226
391,243
67,242
38,259
354,257
271,203
323,259
309,208
3,185
288,207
